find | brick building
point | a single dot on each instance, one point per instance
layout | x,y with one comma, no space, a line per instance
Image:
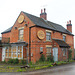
30,36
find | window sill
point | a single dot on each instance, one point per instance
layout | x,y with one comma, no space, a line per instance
64,55
20,40
48,41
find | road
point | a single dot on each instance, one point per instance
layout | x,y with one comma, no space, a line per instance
68,69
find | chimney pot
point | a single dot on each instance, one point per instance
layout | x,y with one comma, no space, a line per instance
43,14
69,26
41,11
67,22
70,21
44,10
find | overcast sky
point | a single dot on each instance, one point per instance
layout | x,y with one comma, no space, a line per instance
58,11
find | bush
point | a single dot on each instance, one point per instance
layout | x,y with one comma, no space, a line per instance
16,61
50,58
10,61
42,58
70,54
13,61
50,65
30,63
23,62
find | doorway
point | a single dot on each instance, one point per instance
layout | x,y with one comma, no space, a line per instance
3,53
55,54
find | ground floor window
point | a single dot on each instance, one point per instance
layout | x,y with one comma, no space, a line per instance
19,52
14,52
64,51
48,51
8,52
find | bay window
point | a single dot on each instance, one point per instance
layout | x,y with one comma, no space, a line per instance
14,52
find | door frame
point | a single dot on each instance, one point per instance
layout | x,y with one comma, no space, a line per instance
55,55
3,53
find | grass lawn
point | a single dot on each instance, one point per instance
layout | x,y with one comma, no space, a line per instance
4,67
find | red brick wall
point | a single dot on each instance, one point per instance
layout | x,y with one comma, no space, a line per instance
8,35
35,42
0,53
69,28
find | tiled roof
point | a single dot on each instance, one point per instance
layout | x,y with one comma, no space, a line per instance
6,31
47,24
44,23
61,43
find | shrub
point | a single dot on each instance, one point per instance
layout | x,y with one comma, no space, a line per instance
23,61
16,61
70,54
50,58
30,63
50,65
42,58
10,61
19,70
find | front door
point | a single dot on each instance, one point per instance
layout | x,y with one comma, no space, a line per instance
55,54
3,53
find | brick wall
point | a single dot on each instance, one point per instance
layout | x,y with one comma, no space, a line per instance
0,53
35,41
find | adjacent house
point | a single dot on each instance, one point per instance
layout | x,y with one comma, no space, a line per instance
31,36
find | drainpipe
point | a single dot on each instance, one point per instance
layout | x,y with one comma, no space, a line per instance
30,42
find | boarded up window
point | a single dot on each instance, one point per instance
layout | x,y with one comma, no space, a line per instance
19,51
8,52
14,52
48,51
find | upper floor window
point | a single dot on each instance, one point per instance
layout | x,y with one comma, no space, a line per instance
64,38
48,36
21,31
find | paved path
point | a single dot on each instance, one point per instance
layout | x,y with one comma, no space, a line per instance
68,69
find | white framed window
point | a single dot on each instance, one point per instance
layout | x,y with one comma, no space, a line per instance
48,51
48,36
14,52
41,49
8,52
64,38
19,52
21,34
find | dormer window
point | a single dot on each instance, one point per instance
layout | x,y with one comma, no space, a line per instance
64,38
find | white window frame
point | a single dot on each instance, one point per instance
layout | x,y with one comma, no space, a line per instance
12,53
21,34
48,36
64,38
41,49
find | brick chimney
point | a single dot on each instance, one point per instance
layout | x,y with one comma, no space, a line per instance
69,26
43,14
